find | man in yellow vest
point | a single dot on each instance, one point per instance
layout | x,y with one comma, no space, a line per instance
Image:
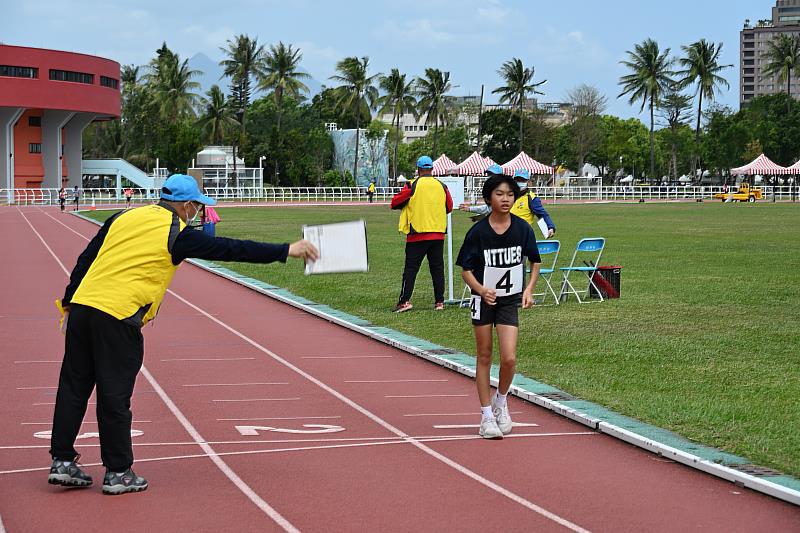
528,206
115,288
425,204
371,190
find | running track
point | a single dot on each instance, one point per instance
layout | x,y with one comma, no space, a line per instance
395,455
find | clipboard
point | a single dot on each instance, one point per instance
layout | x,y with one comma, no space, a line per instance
543,228
342,247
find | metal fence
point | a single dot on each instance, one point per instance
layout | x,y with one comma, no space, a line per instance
112,196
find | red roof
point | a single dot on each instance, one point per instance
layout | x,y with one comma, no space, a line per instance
442,166
523,160
761,165
474,165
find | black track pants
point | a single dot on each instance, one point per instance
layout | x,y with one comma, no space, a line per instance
415,253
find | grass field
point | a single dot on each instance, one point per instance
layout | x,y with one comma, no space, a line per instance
704,340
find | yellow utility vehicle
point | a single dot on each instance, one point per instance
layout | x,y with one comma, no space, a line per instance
744,194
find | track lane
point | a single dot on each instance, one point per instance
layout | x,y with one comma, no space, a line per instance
565,493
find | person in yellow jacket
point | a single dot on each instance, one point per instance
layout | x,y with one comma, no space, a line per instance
371,190
115,288
425,203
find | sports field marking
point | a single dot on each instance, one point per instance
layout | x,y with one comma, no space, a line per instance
347,357
469,426
259,400
2,527
278,418
379,441
430,396
222,465
35,388
398,381
232,384
372,416
456,414
29,362
201,359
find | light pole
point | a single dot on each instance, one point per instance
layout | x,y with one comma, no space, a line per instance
261,170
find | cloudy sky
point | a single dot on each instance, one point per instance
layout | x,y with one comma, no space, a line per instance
569,42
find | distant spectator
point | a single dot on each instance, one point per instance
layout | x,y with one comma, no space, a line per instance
76,197
62,198
128,194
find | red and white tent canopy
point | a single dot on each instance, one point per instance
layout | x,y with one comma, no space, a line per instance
795,168
489,161
763,166
474,165
442,166
523,160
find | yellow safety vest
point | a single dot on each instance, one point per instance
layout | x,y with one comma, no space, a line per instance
403,226
426,208
522,210
371,187
133,267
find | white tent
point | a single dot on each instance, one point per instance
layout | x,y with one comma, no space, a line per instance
627,179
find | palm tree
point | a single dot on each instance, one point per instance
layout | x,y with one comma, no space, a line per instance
281,75
219,118
399,99
357,91
517,88
701,66
433,100
172,85
244,62
675,110
650,77
783,57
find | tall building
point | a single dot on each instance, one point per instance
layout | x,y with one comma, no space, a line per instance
753,41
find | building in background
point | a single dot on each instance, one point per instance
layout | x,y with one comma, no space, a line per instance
753,41
47,98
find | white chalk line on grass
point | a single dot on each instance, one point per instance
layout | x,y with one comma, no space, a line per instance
369,414
237,481
371,441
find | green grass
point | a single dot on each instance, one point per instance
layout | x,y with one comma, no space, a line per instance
704,340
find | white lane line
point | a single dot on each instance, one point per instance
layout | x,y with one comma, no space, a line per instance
259,400
31,362
220,463
398,381
231,384
468,426
379,441
35,388
430,396
278,418
347,357
210,359
386,425
456,414
2,527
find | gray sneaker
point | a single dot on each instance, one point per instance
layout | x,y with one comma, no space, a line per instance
122,482
68,474
503,418
489,429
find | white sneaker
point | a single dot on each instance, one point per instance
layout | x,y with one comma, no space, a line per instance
503,418
489,429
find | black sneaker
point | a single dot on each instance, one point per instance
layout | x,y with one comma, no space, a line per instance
68,474
120,483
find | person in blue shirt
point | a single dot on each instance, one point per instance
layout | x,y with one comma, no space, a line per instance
528,206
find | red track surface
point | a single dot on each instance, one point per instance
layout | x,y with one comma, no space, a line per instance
221,356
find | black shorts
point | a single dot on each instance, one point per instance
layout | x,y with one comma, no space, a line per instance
504,312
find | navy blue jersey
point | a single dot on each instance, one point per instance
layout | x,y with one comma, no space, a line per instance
498,261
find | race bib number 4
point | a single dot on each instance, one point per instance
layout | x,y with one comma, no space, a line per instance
475,307
506,281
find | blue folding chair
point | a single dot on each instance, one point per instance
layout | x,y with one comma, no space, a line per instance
548,248
588,251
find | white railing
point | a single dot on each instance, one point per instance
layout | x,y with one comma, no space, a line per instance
112,196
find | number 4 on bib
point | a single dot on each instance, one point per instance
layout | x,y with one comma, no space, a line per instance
506,281
475,307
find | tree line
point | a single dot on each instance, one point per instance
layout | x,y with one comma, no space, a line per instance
164,117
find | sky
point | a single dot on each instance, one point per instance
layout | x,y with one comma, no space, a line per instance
568,42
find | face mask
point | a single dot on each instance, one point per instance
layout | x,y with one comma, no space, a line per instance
193,221
523,186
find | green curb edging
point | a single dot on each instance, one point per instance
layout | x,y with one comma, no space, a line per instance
597,417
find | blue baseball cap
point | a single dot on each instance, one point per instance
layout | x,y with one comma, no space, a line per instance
424,162
183,188
522,174
494,169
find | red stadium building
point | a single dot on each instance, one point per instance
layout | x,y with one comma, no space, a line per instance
47,98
